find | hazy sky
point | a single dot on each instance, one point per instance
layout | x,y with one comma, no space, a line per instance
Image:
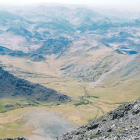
132,4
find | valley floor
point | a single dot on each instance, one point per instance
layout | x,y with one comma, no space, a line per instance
34,124
87,104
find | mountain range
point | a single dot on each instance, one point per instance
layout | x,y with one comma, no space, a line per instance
84,58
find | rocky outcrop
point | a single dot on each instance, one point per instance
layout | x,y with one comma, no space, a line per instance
13,87
122,123
18,138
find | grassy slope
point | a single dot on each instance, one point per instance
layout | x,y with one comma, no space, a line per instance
123,85
12,122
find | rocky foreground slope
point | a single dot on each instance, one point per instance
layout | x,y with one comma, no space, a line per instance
13,87
122,123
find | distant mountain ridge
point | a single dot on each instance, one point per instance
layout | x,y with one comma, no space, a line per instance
35,25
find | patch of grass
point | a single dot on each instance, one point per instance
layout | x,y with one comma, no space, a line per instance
94,136
93,97
85,102
49,105
90,120
120,128
13,129
81,103
31,101
16,104
116,84
14,125
2,108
